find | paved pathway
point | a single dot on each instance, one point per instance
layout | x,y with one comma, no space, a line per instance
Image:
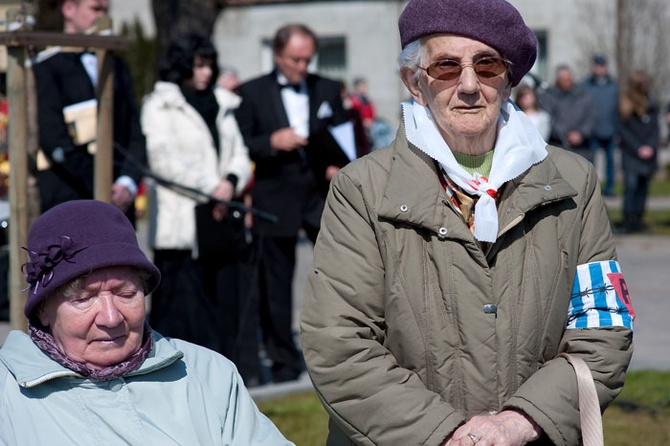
645,261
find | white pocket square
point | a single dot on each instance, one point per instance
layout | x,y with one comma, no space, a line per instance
324,111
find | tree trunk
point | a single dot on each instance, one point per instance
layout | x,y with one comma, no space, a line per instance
623,42
48,15
177,17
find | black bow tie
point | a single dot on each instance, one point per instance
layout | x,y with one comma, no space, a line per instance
297,87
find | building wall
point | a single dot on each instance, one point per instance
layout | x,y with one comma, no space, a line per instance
569,25
130,10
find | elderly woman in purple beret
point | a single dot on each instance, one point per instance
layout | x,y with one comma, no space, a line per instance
91,371
456,267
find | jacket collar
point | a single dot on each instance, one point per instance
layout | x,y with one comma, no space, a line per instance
414,196
170,93
540,185
413,192
32,367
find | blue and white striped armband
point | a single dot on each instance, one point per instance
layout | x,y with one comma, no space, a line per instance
600,297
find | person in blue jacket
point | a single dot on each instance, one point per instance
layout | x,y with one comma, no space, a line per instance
91,371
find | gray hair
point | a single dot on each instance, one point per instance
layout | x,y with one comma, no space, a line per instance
411,56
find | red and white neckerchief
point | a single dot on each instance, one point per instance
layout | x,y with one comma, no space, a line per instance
519,145
461,202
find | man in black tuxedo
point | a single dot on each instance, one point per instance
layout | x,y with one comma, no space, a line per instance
279,114
64,78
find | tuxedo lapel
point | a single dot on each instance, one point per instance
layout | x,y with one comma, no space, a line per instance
313,104
80,77
275,101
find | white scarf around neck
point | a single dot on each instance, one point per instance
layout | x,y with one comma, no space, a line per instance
519,145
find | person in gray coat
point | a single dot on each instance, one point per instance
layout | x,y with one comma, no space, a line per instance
572,111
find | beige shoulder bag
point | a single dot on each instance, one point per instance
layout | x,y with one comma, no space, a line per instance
589,407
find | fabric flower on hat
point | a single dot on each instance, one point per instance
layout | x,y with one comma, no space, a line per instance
41,265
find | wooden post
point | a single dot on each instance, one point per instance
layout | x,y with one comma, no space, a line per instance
18,182
17,43
104,159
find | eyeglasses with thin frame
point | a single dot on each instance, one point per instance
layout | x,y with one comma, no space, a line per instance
449,69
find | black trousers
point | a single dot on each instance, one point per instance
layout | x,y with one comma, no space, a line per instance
179,307
211,302
277,265
231,285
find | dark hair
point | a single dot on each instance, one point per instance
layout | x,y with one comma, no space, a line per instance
524,90
284,34
177,65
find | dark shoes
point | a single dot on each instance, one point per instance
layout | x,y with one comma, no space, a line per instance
632,224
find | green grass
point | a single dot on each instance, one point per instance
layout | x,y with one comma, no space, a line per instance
658,188
658,221
641,413
300,417
639,416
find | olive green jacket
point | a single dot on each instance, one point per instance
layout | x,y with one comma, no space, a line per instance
398,329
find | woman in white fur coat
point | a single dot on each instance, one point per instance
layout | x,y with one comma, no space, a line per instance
193,139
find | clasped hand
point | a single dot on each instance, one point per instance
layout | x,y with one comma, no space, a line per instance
506,428
224,192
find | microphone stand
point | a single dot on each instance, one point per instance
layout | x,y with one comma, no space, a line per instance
189,191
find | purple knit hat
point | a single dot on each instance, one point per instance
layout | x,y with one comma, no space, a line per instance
75,238
494,22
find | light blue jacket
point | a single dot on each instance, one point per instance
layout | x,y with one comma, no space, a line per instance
183,394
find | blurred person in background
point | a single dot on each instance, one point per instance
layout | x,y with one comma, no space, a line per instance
526,99
361,101
572,112
67,77
454,267
605,93
639,129
193,138
361,135
280,112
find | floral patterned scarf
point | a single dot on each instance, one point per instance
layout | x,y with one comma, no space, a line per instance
47,343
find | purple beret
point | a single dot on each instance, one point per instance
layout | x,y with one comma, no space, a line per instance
494,22
75,238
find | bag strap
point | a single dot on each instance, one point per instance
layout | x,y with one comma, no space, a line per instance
589,407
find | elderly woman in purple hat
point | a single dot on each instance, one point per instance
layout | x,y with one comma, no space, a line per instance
91,371
455,267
